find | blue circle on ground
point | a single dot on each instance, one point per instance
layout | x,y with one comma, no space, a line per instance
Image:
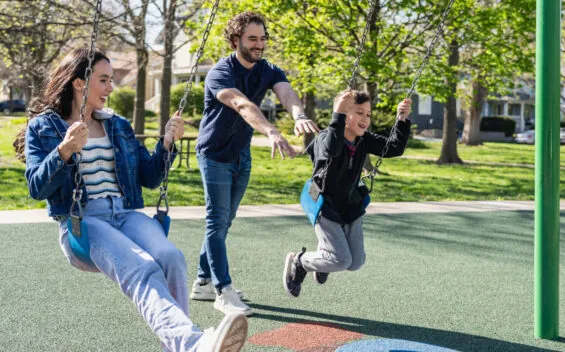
391,345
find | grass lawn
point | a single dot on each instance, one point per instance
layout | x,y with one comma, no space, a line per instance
276,181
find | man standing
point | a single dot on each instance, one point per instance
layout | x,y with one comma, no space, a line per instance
234,89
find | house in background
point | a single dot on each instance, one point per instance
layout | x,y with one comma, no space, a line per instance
181,67
427,113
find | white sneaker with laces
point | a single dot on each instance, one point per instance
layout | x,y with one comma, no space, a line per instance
229,302
206,291
229,336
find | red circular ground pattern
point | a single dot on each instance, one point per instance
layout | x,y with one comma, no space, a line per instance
306,337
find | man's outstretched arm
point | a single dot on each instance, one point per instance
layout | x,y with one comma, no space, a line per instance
251,113
289,99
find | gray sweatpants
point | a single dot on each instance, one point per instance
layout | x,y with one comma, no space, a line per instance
340,247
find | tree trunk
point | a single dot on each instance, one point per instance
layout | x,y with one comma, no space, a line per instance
449,141
139,108
10,102
165,104
142,60
309,102
472,129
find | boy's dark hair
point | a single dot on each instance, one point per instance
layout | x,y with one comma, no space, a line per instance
236,25
359,97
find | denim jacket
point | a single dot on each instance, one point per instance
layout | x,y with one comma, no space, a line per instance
49,177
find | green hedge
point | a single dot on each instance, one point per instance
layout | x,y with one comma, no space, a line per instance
498,124
195,100
122,101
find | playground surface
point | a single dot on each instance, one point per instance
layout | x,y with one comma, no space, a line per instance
439,277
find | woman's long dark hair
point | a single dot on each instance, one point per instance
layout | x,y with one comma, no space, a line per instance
57,94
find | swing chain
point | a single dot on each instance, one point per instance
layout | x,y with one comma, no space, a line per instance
187,89
77,192
430,48
163,189
199,53
91,53
361,46
394,130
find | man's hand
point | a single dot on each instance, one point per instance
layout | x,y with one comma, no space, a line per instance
302,126
279,142
174,130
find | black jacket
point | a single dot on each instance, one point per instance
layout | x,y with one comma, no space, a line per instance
343,203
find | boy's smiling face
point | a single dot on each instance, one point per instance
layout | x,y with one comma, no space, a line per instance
358,119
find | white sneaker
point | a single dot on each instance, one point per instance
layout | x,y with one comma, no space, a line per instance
229,302
229,336
206,291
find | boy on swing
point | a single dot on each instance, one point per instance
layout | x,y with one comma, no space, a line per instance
342,148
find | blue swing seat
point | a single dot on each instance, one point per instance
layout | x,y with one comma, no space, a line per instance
311,200
81,247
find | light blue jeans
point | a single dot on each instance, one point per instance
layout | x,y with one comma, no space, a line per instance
131,249
224,187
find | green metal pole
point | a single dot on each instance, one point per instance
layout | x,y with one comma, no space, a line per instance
546,298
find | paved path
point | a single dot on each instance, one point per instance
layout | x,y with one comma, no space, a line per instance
247,211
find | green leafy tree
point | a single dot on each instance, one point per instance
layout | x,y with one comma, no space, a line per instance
316,42
33,34
487,46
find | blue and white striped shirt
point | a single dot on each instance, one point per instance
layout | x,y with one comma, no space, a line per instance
97,168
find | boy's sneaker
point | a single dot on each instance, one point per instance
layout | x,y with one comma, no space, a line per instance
229,302
320,278
294,273
229,336
206,291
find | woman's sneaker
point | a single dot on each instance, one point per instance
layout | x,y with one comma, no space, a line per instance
229,336
206,291
320,278
294,273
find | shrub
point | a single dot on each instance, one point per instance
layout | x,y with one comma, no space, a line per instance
122,101
284,123
498,124
195,100
150,113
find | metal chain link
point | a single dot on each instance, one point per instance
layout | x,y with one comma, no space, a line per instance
77,193
199,53
187,89
394,130
361,47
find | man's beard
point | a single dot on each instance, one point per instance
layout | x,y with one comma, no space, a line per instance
247,55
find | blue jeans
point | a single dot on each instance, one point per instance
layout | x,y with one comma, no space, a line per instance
131,249
224,187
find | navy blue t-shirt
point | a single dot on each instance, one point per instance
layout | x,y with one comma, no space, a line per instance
223,132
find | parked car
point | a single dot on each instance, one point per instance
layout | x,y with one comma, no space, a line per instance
529,136
17,105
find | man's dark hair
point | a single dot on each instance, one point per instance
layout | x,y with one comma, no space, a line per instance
236,25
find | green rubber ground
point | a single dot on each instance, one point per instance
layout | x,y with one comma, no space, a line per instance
462,281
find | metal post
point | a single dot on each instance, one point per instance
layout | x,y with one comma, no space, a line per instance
546,297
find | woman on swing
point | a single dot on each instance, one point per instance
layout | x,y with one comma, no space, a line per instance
127,246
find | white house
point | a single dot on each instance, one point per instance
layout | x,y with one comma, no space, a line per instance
181,67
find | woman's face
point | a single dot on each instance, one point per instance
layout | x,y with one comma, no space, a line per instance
100,85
